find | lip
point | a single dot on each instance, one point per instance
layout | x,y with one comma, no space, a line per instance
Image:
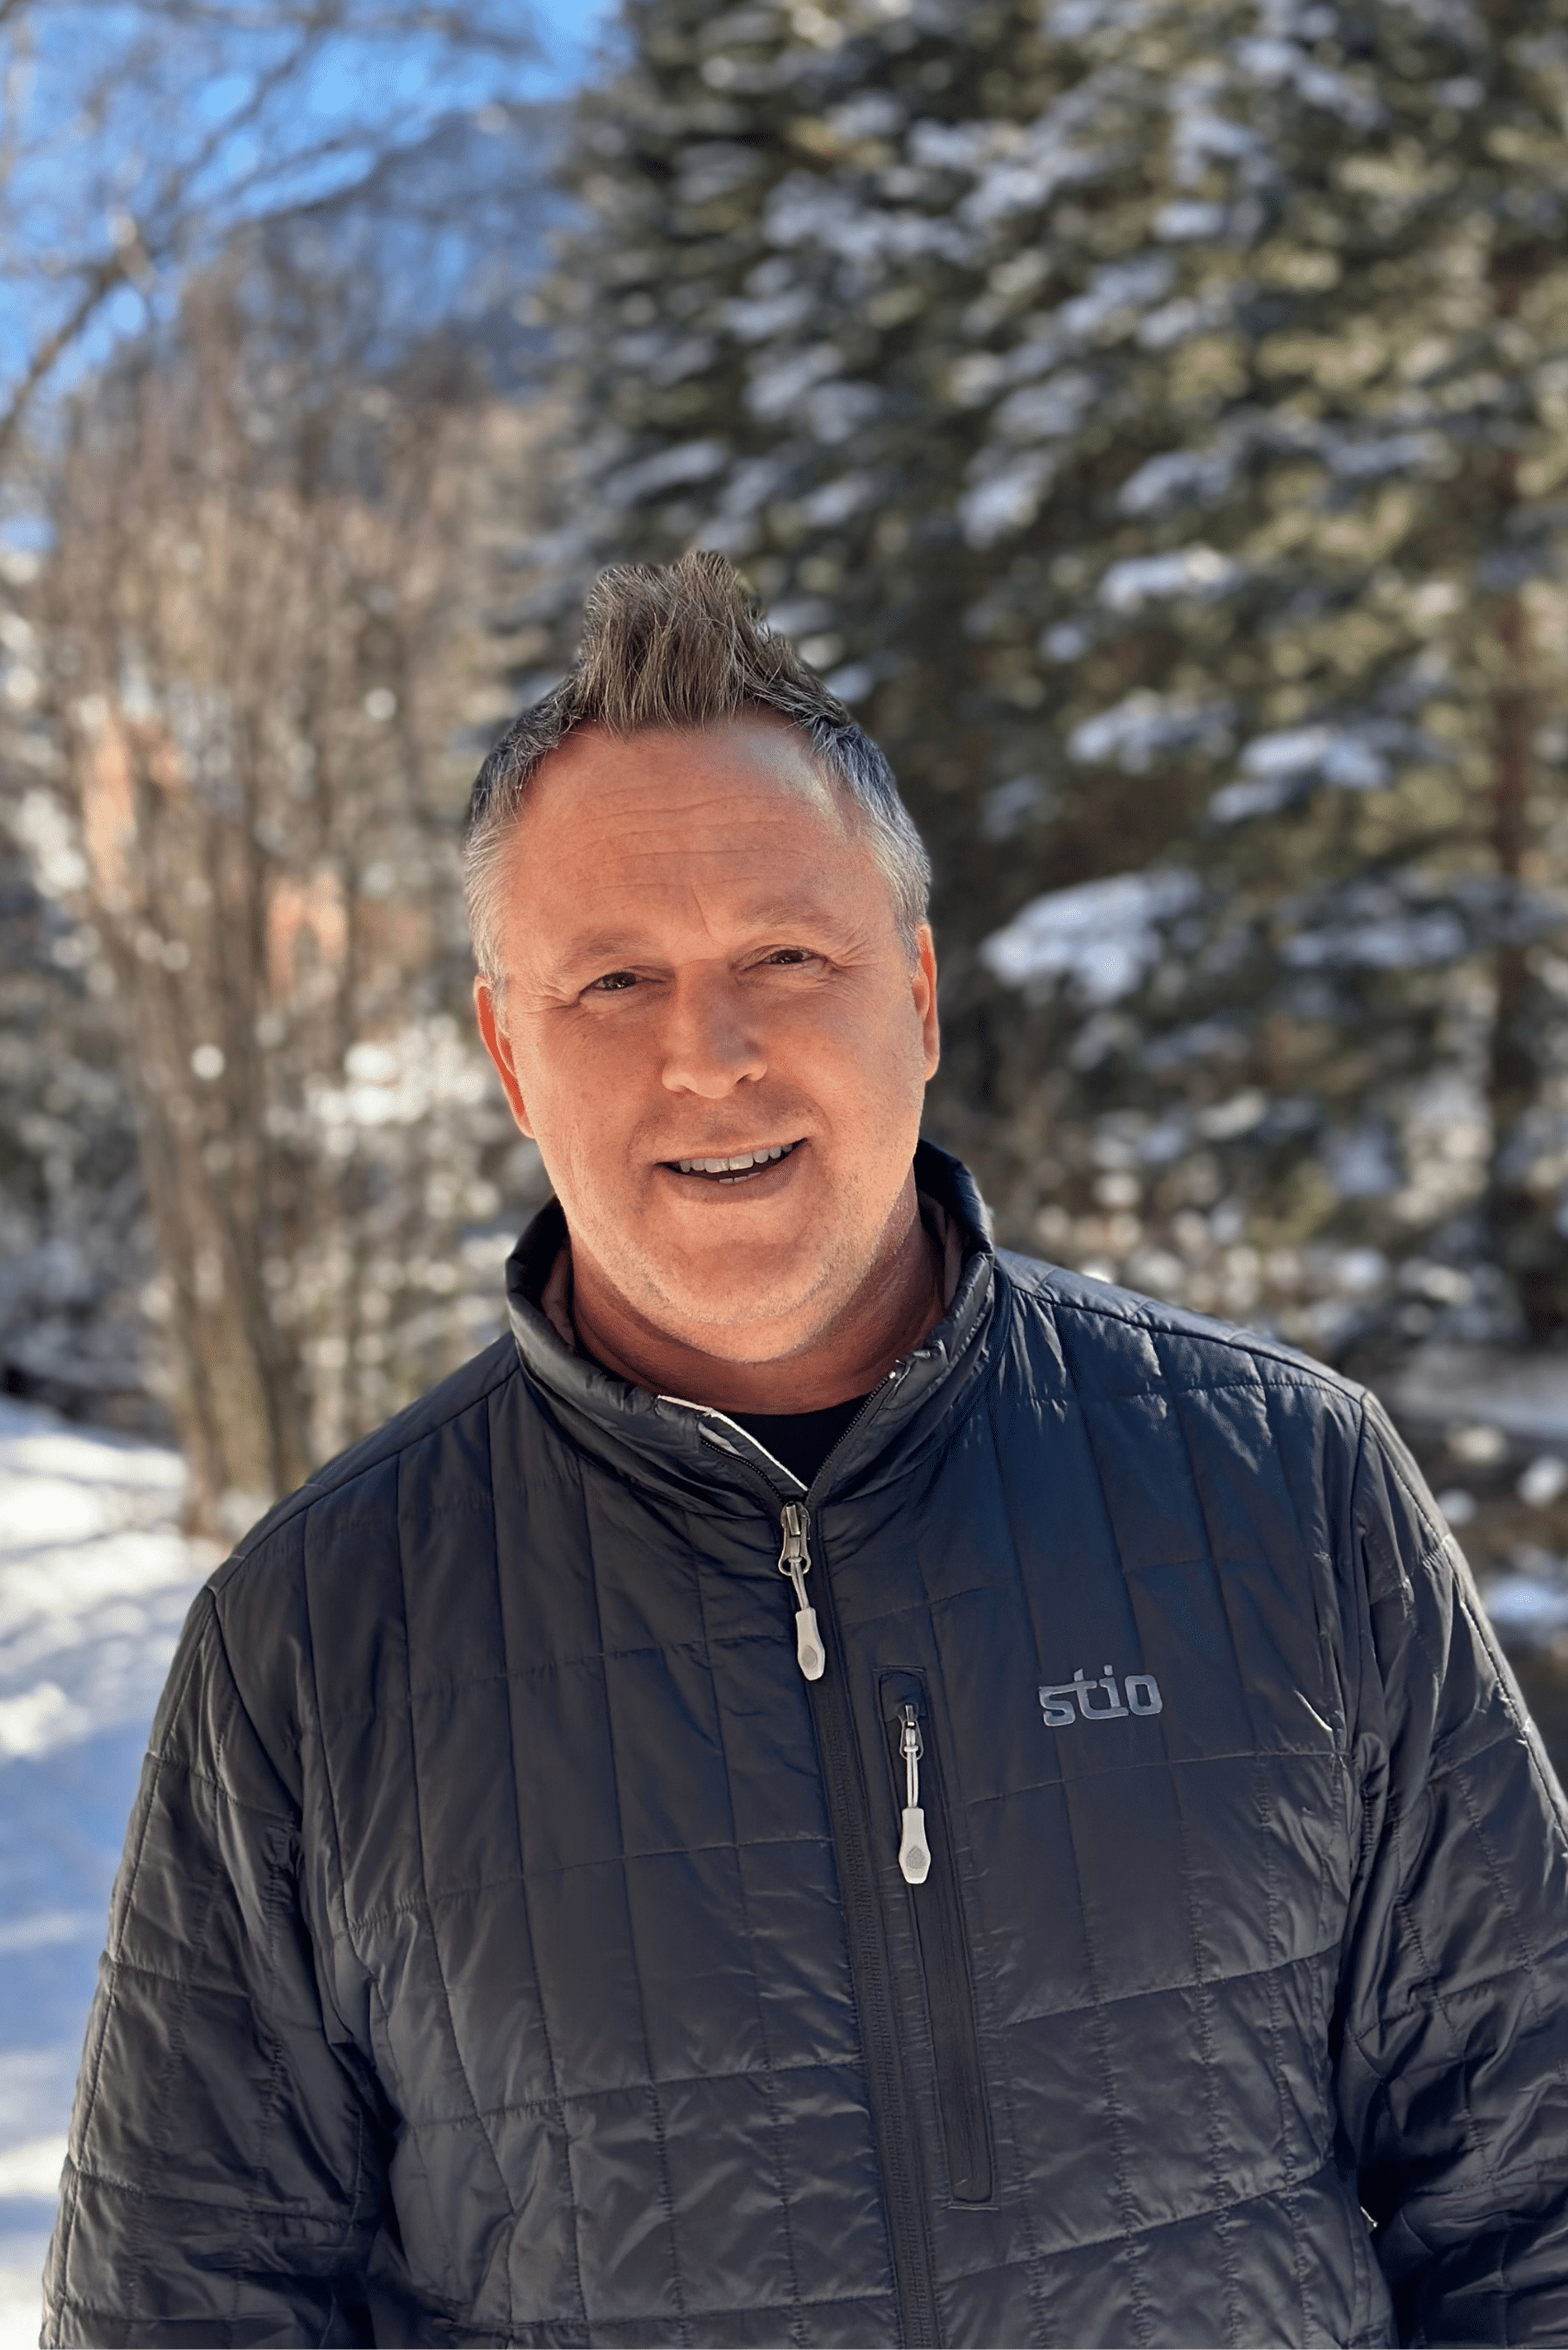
769,1178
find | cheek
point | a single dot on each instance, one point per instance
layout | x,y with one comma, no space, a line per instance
871,1055
596,1110
577,1076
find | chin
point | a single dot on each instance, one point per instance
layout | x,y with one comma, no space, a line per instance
728,1328
724,1318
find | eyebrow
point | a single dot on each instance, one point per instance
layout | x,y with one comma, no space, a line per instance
606,946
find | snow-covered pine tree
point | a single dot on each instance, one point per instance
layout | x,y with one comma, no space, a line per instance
75,1248
1153,418
815,236
1339,554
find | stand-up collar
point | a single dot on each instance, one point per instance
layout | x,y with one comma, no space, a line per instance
660,1440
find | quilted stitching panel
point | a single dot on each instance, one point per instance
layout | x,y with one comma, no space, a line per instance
686,1853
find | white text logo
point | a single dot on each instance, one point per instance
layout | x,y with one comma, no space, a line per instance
1066,1702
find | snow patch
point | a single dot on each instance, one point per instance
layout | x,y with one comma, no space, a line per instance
1203,475
1137,580
1280,768
1103,935
1509,1396
1400,942
1048,411
32,2168
95,1576
783,380
1006,499
1527,1610
1136,733
21,2289
688,461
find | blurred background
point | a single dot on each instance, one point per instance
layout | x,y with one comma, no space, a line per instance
1150,415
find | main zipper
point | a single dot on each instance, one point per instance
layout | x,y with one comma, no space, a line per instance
795,1556
940,1938
870,1971
795,1560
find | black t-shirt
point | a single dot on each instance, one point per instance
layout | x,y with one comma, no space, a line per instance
802,1440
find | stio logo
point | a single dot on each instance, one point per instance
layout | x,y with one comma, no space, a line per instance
1065,1702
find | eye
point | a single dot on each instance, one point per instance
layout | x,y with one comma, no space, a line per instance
787,957
611,983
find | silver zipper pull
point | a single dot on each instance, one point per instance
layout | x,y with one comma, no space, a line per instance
795,1560
914,1852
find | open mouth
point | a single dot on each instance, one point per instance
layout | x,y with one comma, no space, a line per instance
740,1167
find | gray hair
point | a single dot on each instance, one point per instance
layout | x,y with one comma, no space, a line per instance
670,648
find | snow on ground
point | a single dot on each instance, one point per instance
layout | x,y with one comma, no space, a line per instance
94,1581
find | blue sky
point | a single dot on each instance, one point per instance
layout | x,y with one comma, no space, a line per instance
95,142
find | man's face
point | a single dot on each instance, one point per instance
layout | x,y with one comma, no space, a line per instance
702,961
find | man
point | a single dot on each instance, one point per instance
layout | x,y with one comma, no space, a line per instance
835,1787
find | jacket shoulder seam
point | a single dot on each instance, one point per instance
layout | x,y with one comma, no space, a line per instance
1163,1322
318,1487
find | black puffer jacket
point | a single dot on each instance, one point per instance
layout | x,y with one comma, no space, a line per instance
511,1945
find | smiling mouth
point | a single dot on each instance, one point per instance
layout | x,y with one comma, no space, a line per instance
740,1167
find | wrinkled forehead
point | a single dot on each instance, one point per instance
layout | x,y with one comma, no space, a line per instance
659,809
695,842
755,749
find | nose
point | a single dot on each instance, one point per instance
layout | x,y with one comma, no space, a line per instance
710,1044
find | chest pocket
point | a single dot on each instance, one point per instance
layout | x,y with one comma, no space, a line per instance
1143,1849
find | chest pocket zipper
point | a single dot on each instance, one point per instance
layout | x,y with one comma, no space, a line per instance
926,1861
914,1852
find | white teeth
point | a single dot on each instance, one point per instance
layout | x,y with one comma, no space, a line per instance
740,1164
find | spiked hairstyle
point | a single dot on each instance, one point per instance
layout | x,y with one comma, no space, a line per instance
671,648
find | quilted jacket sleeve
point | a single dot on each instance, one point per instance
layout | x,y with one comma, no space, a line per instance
1453,2059
223,2182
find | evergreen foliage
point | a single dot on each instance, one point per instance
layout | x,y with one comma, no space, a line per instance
75,1248
1154,419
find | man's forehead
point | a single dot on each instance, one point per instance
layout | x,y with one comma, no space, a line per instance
723,803
703,825
730,831
587,932
752,857
752,748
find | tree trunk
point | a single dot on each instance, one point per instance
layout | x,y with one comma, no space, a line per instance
1526,1241
192,992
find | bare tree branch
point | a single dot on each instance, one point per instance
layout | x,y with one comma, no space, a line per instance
142,89
102,280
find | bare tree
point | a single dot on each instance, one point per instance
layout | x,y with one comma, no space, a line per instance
234,237
263,612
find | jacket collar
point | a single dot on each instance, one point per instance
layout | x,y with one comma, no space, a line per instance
660,1440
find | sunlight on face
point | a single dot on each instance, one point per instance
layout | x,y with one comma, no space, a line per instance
702,961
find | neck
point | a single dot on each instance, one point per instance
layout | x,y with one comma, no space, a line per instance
890,1311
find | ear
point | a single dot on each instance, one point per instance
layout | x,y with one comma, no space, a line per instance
497,1043
923,984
